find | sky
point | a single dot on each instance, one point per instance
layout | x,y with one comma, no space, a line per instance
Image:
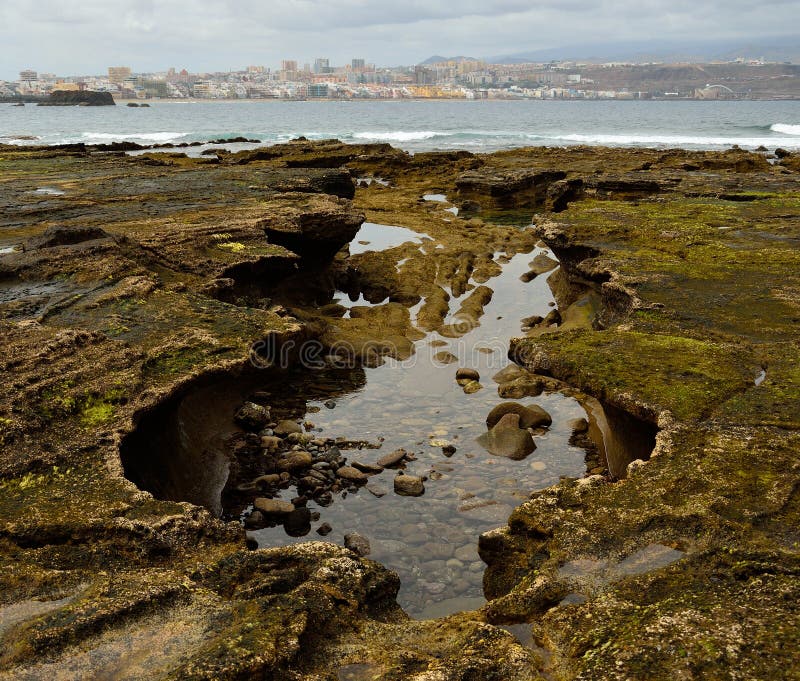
68,37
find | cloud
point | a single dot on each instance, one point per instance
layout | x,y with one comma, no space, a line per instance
80,37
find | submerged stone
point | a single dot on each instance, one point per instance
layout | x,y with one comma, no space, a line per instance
506,438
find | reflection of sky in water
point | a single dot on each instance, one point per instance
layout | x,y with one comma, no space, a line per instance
382,237
431,541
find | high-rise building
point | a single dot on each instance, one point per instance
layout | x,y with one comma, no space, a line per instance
322,65
28,75
117,74
289,65
357,64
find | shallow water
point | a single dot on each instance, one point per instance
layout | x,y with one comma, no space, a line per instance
374,237
416,404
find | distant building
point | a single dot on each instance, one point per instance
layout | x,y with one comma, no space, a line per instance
289,65
322,65
28,75
117,74
318,90
358,64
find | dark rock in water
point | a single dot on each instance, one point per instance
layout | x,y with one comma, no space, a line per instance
132,105
445,357
255,520
357,544
507,439
541,264
329,404
324,530
392,459
298,522
579,425
530,416
534,320
409,486
273,507
286,427
464,375
64,236
782,153
252,416
352,475
448,450
78,98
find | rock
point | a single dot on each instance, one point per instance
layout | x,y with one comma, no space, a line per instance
286,427
267,480
352,475
392,459
448,450
273,507
578,425
472,387
64,236
541,264
366,467
530,416
78,98
409,485
376,489
271,442
464,375
532,321
511,373
507,439
298,522
522,387
324,530
445,357
294,461
329,404
254,520
357,544
252,416
782,153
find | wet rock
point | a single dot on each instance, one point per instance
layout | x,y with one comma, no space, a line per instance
268,480
532,321
324,530
471,387
286,427
507,439
352,475
522,387
271,442
64,236
511,373
448,450
357,544
578,425
294,461
329,404
273,507
530,416
252,416
393,459
464,375
298,522
255,520
376,489
366,467
409,486
445,357
541,264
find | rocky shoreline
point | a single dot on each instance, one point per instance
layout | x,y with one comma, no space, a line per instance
136,285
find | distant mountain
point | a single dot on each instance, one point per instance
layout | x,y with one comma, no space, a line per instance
783,48
437,59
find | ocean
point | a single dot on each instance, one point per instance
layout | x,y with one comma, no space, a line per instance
479,126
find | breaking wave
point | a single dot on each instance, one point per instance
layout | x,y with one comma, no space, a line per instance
400,135
785,129
146,136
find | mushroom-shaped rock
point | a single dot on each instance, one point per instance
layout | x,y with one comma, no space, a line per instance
530,416
507,439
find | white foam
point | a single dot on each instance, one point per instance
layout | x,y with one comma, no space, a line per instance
400,135
676,140
785,129
147,136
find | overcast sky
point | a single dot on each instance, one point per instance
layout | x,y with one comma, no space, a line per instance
69,37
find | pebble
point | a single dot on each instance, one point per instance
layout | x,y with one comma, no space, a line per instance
366,467
294,461
357,544
271,442
471,387
273,506
352,474
465,375
286,427
539,466
392,459
377,490
409,486
324,530
252,416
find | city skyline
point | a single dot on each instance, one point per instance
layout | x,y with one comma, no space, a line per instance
213,36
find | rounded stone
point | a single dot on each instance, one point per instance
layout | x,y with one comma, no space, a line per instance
273,506
409,486
530,416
